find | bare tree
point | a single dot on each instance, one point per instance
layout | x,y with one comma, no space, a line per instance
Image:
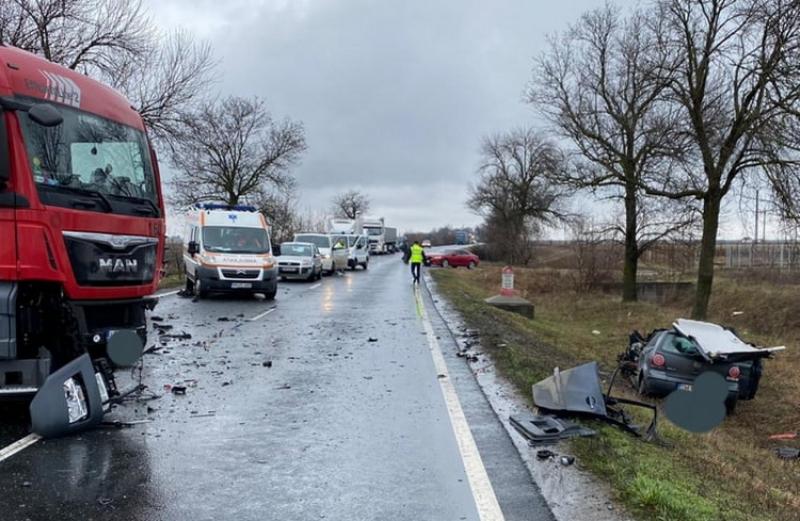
514,193
279,207
112,40
737,85
233,151
165,81
600,86
350,204
76,33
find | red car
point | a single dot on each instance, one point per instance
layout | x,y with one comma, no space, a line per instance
453,258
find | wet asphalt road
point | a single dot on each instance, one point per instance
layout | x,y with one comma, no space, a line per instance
339,427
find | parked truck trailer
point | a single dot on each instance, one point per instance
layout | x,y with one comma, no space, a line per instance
81,239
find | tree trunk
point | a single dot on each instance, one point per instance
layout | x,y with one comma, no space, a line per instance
631,263
708,248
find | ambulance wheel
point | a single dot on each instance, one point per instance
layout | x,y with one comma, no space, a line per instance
199,291
189,288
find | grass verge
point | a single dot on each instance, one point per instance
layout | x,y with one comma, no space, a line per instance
729,474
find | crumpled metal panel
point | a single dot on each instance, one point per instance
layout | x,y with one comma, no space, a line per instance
575,390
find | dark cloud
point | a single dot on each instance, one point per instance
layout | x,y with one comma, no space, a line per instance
395,95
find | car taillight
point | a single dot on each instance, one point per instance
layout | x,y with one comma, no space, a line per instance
658,360
734,372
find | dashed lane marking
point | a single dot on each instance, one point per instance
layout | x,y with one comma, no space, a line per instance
482,491
315,286
18,446
261,315
168,294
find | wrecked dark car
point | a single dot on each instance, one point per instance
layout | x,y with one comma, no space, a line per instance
670,359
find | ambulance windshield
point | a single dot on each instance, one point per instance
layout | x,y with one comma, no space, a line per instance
232,239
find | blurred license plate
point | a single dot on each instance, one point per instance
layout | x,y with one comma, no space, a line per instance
684,387
241,285
289,270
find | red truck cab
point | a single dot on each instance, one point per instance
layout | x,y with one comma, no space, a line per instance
81,220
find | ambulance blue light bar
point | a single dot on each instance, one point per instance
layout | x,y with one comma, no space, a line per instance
228,207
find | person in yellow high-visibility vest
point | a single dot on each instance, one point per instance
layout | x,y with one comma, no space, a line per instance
416,259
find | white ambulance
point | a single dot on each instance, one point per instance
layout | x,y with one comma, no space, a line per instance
227,249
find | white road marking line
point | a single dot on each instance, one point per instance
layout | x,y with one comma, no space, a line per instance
482,491
261,315
315,286
168,294
19,445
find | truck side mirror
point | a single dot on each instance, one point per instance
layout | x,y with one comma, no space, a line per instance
193,248
45,115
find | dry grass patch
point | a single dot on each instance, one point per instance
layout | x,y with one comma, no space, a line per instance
728,474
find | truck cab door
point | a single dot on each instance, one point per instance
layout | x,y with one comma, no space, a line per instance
9,200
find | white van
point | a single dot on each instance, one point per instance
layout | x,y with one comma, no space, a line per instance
358,254
227,249
332,247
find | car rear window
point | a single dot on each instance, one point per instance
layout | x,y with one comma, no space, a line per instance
680,345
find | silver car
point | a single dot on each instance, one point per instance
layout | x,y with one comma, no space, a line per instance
299,260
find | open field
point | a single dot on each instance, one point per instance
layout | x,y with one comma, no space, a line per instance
728,474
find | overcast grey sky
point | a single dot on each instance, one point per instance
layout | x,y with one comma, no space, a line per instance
394,95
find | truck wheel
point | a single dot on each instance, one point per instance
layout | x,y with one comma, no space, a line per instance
189,285
730,405
270,295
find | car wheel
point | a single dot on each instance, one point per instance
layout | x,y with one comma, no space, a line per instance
270,295
730,405
365,265
189,288
642,387
471,265
312,275
445,264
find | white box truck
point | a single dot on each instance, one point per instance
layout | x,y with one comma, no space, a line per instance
374,230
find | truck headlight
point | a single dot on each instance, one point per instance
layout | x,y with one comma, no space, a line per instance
76,401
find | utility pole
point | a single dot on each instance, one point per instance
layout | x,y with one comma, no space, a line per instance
755,235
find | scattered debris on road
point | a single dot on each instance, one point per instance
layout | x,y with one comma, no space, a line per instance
268,363
784,436
372,339
176,389
546,429
567,460
544,454
787,453
577,391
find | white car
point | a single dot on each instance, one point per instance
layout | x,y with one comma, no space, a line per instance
299,260
426,243
358,254
333,249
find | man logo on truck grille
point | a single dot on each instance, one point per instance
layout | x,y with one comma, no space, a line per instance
119,265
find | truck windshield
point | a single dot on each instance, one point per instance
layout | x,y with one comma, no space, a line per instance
91,155
374,231
229,239
320,241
